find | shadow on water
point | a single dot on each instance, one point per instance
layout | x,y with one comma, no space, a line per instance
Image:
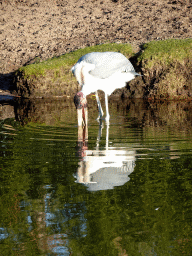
122,189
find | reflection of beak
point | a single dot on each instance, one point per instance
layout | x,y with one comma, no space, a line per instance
81,106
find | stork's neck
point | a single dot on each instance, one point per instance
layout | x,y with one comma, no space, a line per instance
86,78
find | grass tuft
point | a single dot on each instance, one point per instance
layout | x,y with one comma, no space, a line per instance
167,67
166,52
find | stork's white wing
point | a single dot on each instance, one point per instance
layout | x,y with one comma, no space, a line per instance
107,63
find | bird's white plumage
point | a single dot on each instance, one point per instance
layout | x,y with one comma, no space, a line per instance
104,71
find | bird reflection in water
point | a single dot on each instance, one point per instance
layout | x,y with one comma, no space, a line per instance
102,169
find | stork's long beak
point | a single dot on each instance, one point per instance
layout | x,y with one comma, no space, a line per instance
82,116
81,106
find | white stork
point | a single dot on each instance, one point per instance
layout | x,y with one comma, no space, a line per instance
104,71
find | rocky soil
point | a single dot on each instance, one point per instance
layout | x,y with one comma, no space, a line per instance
33,30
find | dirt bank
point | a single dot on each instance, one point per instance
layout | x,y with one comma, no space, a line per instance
40,29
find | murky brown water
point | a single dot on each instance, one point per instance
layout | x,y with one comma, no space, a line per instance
118,189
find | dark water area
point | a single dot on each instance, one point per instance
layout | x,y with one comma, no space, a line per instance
118,189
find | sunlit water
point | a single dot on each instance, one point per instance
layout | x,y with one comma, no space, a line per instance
118,189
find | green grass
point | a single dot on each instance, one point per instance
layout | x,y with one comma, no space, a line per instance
66,61
166,52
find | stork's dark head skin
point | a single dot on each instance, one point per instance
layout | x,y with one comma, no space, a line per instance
80,100
81,106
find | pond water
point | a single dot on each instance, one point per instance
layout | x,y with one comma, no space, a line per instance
118,189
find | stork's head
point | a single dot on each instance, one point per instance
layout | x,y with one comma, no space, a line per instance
81,106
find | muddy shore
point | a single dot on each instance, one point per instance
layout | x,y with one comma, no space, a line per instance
34,30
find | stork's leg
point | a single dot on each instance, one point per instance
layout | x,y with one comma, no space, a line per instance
107,108
99,106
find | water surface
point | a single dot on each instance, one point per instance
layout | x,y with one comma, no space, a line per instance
118,189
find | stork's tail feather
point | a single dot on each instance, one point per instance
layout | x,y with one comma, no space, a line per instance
134,73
